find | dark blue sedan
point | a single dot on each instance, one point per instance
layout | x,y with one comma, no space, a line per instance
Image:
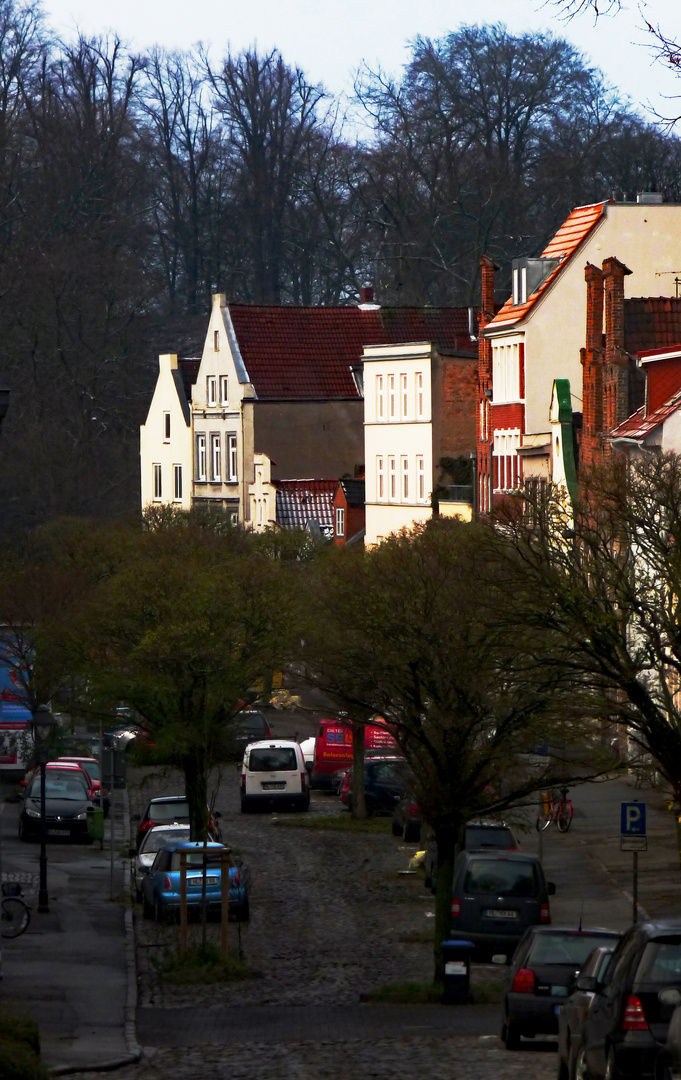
161,883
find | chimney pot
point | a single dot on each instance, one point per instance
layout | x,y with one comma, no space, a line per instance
366,294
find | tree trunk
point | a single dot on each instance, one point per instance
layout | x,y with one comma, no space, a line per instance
446,838
359,805
196,789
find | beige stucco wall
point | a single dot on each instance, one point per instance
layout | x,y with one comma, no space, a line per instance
262,495
306,439
153,447
647,239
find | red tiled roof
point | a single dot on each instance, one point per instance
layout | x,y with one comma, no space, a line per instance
638,425
304,353
300,501
651,323
572,232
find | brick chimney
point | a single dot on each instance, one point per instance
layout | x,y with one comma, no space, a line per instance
617,404
484,432
366,294
593,362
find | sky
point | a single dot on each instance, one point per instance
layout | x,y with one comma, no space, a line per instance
330,39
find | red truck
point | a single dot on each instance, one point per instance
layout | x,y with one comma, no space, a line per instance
333,747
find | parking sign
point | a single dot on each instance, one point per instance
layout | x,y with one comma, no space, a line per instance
633,820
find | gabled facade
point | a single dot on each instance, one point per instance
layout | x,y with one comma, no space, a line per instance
166,437
349,510
537,336
656,425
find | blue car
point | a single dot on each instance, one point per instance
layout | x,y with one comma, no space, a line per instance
161,883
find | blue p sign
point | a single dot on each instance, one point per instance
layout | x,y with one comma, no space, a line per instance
633,821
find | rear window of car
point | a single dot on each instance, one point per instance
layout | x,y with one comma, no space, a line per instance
91,768
480,836
154,841
168,811
273,759
195,859
660,963
249,722
504,878
565,948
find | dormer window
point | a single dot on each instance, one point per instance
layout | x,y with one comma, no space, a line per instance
211,390
529,275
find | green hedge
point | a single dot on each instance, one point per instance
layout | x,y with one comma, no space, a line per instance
20,1049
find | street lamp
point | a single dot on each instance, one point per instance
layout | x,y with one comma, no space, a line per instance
42,725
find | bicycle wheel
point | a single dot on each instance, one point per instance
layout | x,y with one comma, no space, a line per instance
564,818
543,822
14,918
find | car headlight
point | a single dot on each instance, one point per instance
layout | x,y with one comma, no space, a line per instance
30,812
81,817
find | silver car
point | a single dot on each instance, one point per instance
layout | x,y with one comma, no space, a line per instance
153,841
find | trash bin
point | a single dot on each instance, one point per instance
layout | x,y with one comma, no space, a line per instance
456,956
95,823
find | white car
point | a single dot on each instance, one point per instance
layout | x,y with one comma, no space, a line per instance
273,775
307,746
153,841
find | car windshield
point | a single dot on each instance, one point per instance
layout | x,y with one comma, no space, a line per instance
169,811
660,963
195,859
565,948
58,788
505,878
154,841
478,836
92,769
272,759
248,722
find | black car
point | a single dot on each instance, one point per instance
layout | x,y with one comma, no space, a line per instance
573,1012
545,965
67,800
385,782
624,1034
171,810
407,819
495,898
478,836
248,726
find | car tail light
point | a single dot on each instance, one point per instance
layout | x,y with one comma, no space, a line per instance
145,825
456,908
544,913
268,734
634,1016
524,981
236,880
166,883
303,780
413,809
243,782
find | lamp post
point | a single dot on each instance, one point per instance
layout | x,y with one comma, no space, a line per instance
42,726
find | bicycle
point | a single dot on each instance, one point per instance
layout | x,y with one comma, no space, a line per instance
560,812
15,914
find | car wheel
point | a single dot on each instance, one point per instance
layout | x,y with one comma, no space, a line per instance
411,832
578,1069
138,895
24,834
397,830
305,803
159,914
245,806
563,1073
611,1070
511,1035
147,908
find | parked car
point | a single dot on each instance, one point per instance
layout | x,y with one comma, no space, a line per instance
67,799
624,1033
545,965
91,767
172,810
161,883
273,774
407,819
246,727
572,1013
307,747
152,843
495,898
333,747
478,836
669,1059
385,781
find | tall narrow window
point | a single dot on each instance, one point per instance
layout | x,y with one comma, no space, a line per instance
158,484
211,390
166,427
224,390
405,477
404,399
215,457
420,478
379,398
419,394
201,457
232,474
391,397
392,479
380,479
216,341
177,483
340,521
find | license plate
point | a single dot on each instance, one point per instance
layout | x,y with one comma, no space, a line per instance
500,913
556,1010
559,991
273,785
196,883
58,832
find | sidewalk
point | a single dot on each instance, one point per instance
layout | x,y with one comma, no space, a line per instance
73,970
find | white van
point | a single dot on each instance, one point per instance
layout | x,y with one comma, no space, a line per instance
273,774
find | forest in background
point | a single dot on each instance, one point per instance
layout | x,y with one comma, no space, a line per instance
134,186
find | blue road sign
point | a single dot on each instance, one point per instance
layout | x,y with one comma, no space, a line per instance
633,821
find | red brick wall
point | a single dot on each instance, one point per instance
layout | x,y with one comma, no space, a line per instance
354,518
459,406
507,416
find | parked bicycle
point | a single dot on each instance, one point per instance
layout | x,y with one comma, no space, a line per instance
560,812
15,914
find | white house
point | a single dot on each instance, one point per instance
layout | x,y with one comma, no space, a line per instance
166,438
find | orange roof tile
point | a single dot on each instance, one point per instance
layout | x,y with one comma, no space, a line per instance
572,232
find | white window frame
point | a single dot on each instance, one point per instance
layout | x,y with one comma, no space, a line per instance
224,390
391,397
215,457
420,479
201,456
380,479
508,472
404,477
158,482
404,397
340,521
418,381
232,458
211,390
177,483
380,402
166,427
506,372
392,479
